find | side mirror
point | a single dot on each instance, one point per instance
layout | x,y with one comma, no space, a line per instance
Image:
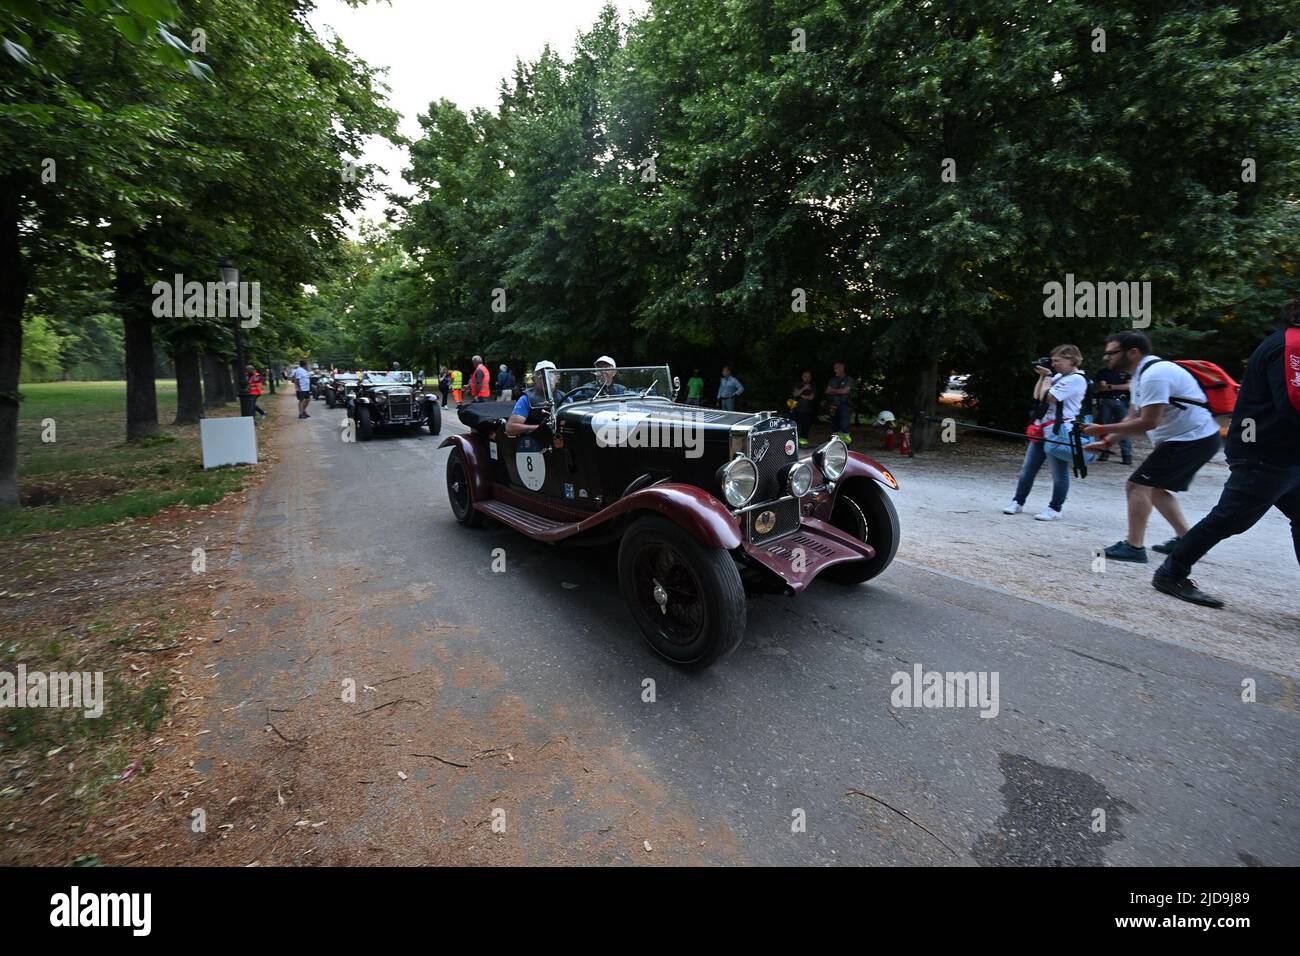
677,385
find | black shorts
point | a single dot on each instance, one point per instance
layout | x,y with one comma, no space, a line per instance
1173,464
303,395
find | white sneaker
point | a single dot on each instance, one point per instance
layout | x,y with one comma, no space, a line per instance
1012,508
1047,514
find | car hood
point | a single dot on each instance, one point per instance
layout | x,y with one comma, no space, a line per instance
655,410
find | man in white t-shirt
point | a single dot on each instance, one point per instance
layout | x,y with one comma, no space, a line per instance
302,382
1060,389
1169,405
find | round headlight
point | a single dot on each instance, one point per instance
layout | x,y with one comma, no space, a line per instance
799,479
832,458
739,481
381,397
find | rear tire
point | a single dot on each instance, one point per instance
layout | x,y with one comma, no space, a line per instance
435,419
865,512
687,599
461,491
365,427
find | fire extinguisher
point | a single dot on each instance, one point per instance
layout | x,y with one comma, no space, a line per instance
905,443
889,438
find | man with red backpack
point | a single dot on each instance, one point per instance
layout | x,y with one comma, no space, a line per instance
1169,404
1263,451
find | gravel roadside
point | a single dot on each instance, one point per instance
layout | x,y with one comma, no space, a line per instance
950,505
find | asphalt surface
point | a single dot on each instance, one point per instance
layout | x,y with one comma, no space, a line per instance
530,685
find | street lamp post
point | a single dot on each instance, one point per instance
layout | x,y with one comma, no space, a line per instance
230,281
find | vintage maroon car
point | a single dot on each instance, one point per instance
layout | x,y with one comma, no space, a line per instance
704,504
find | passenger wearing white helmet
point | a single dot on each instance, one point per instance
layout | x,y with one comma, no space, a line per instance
518,422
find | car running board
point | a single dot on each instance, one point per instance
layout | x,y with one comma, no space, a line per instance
535,526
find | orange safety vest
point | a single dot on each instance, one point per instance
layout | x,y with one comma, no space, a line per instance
481,383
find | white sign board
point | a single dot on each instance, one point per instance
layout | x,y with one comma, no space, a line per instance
228,441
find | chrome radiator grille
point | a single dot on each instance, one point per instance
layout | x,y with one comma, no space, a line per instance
767,448
399,411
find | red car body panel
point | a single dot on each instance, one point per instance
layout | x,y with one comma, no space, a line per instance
859,466
799,557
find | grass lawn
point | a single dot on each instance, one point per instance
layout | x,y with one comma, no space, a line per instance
88,475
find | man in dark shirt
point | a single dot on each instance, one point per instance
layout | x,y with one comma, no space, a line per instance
1263,451
1112,404
839,392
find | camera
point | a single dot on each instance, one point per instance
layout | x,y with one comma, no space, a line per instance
1044,362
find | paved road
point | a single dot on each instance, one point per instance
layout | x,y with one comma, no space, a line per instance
515,701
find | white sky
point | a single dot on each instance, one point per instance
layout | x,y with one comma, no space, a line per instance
457,49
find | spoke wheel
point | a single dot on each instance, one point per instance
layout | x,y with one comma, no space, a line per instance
460,492
686,598
669,593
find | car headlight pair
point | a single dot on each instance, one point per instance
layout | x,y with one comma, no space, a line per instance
739,480
832,458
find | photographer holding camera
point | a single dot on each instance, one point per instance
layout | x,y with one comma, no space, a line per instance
1059,391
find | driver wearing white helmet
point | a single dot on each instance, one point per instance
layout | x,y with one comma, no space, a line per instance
603,384
518,422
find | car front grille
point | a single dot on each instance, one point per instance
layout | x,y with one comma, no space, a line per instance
398,411
766,447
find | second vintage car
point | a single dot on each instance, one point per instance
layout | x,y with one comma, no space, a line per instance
393,400
342,389
704,504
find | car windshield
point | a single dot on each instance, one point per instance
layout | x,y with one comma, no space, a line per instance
585,384
389,378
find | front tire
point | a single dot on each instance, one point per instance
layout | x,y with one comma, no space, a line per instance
687,599
329,399
365,427
865,511
460,491
435,419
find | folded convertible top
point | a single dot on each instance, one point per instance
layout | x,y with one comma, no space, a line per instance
483,416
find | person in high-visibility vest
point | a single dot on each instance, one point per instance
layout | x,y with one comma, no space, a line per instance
254,378
480,383
456,385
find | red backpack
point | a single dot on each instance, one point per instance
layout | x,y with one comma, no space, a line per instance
1219,387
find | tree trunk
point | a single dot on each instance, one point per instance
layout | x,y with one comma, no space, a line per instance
228,393
133,299
189,386
209,364
13,294
925,402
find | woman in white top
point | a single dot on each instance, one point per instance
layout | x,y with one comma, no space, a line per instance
1061,390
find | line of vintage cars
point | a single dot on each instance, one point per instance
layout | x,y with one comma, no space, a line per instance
705,505
382,399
